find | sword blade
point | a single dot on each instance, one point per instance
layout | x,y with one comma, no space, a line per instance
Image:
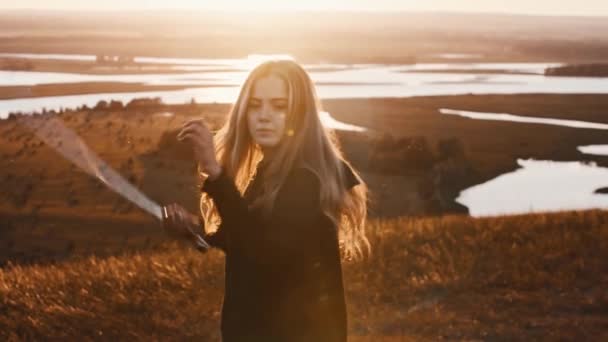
67,143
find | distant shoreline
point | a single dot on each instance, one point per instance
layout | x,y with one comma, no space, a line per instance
579,70
46,90
162,11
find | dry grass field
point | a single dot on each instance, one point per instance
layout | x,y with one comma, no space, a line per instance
529,277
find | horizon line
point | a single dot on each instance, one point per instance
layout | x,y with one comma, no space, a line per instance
311,11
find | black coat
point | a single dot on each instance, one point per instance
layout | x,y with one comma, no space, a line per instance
283,274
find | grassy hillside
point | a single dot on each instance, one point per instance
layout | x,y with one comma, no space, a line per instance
540,276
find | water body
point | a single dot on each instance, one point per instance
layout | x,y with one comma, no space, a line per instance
524,119
531,68
205,75
598,150
538,185
221,77
73,101
358,82
63,57
146,60
457,55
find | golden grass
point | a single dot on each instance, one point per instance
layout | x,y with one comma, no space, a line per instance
538,276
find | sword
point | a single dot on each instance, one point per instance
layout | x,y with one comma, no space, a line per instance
68,144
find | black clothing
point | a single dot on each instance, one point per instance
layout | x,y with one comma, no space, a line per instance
283,273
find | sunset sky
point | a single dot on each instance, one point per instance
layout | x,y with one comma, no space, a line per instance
543,7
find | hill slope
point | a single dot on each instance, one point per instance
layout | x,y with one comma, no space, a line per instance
504,278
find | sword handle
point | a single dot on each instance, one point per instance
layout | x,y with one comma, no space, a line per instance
198,240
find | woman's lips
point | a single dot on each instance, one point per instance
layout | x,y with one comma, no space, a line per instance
265,130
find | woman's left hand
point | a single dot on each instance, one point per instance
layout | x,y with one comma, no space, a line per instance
179,222
202,142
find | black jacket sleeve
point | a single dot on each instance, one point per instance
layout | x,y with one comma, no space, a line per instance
218,238
290,233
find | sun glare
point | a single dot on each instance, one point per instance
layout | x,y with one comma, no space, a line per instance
255,59
259,5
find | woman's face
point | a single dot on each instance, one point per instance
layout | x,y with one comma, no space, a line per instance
266,111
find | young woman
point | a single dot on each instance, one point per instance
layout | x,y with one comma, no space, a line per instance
284,206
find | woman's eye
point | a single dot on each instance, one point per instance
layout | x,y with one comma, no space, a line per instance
253,105
280,105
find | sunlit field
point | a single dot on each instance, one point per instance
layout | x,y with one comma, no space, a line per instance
456,278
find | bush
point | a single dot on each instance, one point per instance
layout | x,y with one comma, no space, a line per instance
405,154
101,105
450,148
116,105
145,103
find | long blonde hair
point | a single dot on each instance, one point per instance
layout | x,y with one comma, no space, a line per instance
307,143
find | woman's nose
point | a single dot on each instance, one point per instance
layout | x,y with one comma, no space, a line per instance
265,113
264,117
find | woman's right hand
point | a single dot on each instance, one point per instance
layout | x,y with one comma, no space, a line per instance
201,138
179,223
